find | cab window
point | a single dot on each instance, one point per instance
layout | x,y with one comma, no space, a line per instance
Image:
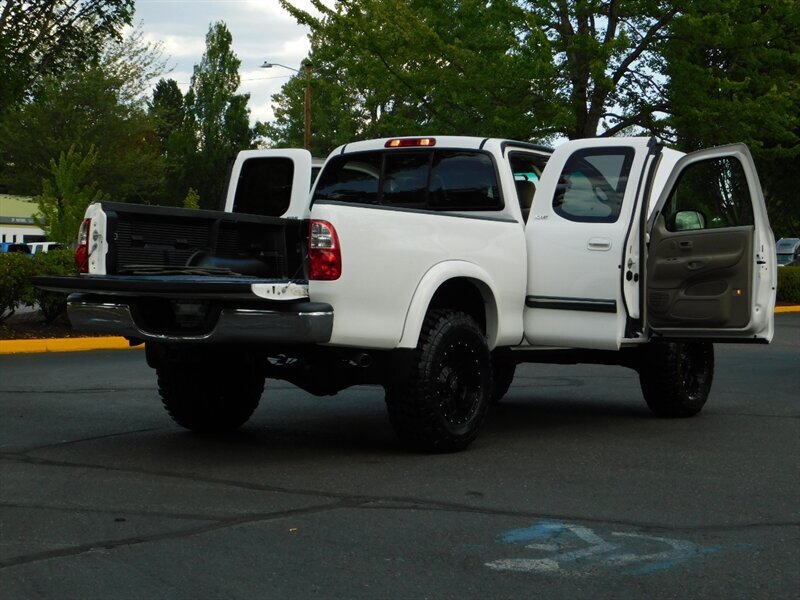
463,181
352,178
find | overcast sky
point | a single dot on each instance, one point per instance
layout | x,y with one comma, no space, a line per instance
261,31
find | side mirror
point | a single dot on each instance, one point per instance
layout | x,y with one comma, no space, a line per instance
686,220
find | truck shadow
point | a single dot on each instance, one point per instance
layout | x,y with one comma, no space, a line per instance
363,432
355,427
523,411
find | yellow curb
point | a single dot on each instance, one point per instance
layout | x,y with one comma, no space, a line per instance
63,345
785,309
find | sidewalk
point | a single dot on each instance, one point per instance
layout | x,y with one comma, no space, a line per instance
78,344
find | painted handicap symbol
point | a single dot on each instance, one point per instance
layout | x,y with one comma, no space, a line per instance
572,549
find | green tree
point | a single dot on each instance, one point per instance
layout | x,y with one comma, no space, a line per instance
101,105
177,138
449,67
50,37
216,118
66,195
514,68
166,109
734,76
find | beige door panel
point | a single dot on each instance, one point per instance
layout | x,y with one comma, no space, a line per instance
700,278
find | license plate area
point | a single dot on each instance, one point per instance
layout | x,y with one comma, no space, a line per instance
176,316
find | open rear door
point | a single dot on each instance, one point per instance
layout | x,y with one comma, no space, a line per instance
711,265
270,183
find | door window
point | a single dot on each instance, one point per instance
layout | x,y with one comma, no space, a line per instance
592,185
710,194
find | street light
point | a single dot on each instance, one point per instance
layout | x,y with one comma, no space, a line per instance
306,65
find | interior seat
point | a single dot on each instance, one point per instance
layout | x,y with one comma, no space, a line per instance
525,192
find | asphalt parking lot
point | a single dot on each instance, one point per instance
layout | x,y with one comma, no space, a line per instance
572,490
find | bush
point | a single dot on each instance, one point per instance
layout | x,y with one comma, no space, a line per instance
15,287
789,284
60,261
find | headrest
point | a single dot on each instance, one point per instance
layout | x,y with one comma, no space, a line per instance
525,191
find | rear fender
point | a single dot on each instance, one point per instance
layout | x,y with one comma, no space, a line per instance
432,281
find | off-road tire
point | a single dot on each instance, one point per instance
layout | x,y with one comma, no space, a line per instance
209,403
676,377
441,405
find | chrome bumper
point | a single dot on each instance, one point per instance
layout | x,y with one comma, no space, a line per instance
298,323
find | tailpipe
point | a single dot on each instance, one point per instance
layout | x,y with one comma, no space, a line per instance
361,360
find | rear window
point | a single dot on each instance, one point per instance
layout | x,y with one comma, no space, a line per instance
438,179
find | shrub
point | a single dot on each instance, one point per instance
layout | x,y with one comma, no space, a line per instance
789,284
60,261
15,288
192,199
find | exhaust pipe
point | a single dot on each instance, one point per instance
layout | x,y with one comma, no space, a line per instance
361,359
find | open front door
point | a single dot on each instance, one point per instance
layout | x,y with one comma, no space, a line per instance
711,265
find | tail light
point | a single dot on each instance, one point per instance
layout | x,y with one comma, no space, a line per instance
82,251
324,253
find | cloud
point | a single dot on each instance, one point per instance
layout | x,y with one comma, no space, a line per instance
261,31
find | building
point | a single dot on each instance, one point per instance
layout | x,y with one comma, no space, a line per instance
16,220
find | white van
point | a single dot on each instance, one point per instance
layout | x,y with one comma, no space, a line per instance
788,250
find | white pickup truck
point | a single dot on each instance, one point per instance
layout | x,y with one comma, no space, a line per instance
433,266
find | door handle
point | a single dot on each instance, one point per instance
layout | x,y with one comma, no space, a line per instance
599,244
685,245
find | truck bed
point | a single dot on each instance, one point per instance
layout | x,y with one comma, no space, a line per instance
175,274
155,239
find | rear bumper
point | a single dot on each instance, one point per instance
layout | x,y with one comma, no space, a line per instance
284,323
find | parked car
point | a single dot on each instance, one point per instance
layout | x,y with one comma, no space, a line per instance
15,247
788,251
39,247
